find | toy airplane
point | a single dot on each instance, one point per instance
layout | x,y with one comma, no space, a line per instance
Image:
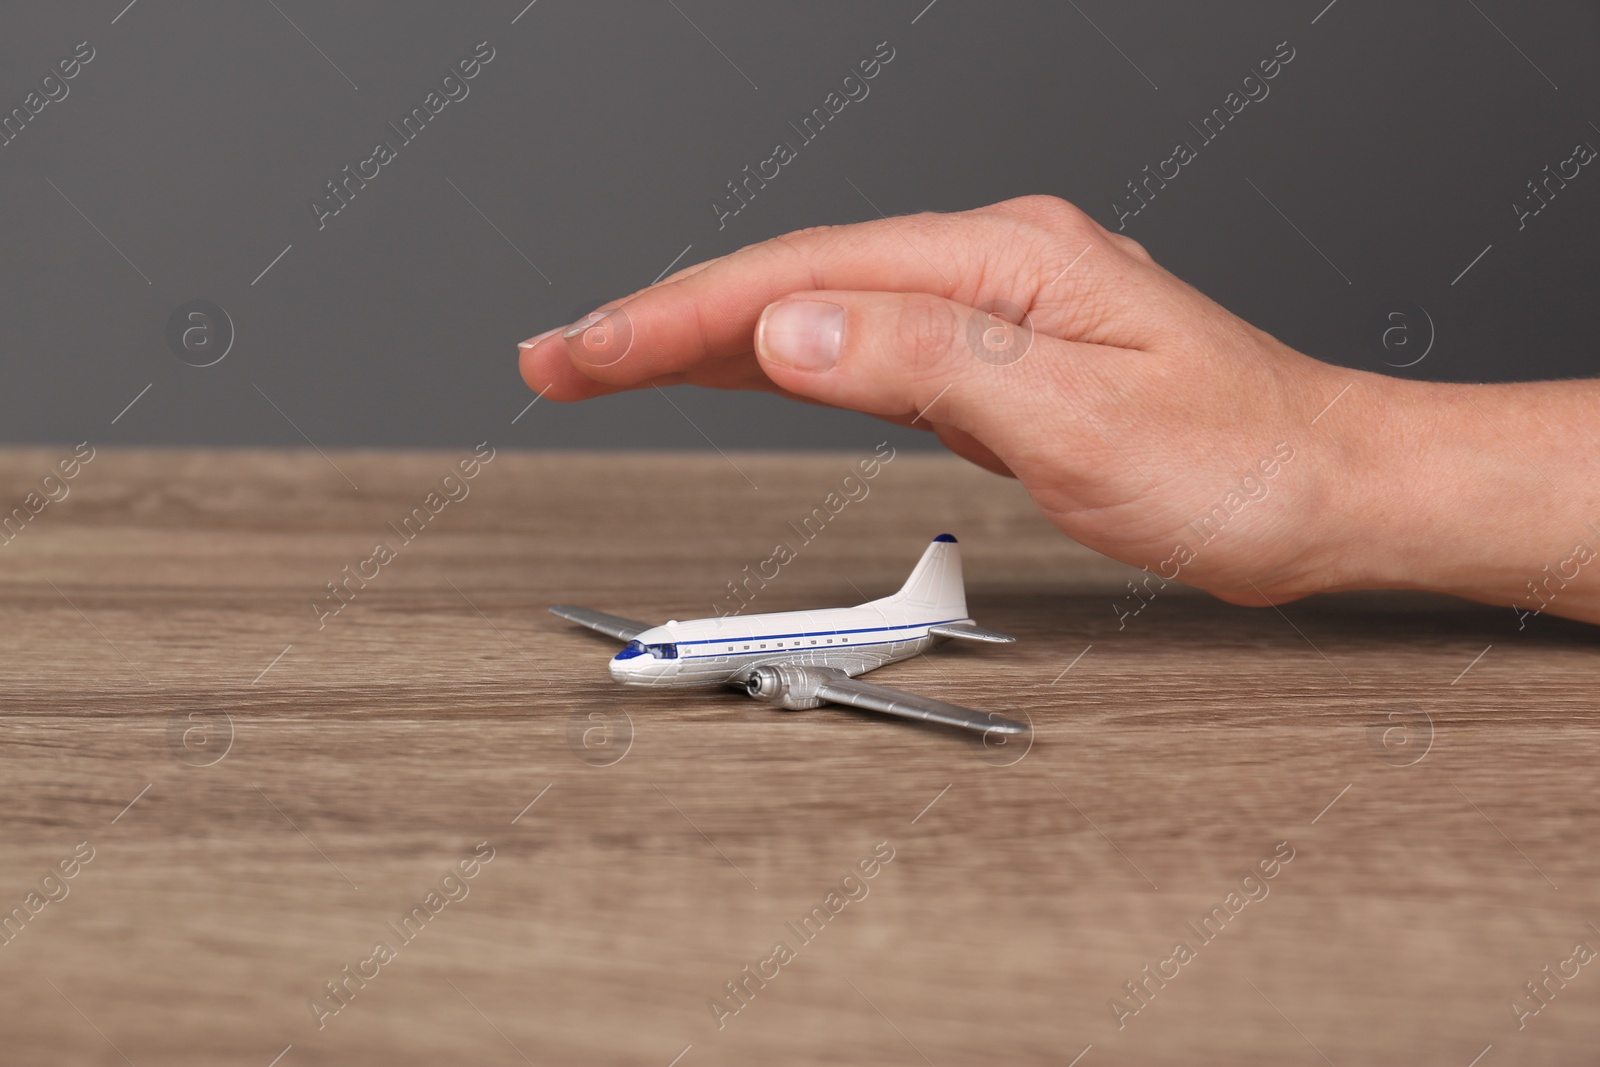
800,659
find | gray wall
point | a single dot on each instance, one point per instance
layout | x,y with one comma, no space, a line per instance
185,155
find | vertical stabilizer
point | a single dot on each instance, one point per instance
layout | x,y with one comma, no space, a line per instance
936,581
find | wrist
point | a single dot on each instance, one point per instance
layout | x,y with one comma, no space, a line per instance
1461,489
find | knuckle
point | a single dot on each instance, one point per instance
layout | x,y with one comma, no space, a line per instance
798,243
801,247
934,226
1129,247
1051,212
1050,225
801,244
925,220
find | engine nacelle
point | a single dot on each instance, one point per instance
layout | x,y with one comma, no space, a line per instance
790,688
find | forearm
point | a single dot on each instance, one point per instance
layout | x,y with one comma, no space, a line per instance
1488,492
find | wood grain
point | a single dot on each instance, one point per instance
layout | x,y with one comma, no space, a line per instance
364,758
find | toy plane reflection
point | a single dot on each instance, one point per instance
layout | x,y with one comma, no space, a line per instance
801,659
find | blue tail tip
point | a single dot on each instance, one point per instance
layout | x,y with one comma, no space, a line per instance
946,538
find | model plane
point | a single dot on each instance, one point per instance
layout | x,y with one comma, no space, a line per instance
802,659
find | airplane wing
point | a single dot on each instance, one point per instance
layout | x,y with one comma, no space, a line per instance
840,689
966,631
610,625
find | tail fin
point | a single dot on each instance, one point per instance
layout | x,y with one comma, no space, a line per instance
936,581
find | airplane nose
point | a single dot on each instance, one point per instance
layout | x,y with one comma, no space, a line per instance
619,670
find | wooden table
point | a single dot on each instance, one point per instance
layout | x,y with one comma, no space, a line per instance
266,797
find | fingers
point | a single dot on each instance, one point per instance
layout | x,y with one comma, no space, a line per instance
1014,255
558,379
903,355
711,315
677,275
547,370
555,373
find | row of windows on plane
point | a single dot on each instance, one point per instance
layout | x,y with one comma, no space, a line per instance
797,643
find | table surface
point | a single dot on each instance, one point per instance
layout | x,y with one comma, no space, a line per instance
268,789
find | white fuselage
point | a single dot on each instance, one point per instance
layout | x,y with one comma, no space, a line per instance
724,650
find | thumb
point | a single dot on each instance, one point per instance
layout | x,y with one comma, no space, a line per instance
914,356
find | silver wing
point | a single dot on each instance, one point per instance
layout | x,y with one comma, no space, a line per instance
859,694
796,687
966,631
610,625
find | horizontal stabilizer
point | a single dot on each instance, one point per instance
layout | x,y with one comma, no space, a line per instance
965,631
610,625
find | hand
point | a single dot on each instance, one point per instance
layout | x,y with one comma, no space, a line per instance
1144,420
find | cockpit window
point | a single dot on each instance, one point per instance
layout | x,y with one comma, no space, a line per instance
635,648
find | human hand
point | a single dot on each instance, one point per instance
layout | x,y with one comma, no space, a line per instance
1145,421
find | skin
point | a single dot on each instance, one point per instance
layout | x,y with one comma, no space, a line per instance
1130,407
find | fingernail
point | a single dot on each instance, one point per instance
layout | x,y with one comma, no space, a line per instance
532,341
600,338
591,319
803,334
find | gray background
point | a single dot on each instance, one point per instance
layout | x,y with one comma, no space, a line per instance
190,147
